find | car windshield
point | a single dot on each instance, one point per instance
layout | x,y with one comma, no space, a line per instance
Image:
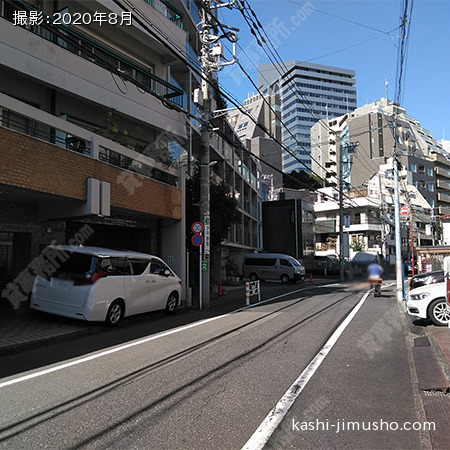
294,262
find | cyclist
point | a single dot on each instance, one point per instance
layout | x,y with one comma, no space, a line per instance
375,274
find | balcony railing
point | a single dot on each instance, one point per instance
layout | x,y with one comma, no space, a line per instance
168,10
71,40
79,142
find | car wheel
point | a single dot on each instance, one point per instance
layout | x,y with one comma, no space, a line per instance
172,303
438,312
253,277
285,278
115,313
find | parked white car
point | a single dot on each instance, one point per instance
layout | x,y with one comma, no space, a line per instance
99,284
429,302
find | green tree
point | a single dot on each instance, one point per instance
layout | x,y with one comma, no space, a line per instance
302,180
357,246
223,209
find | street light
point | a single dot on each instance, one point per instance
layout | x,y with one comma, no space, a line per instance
210,164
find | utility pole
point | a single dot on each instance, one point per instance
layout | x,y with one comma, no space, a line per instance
341,214
350,147
211,61
398,240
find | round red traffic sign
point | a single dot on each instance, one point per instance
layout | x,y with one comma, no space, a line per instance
197,239
197,227
405,210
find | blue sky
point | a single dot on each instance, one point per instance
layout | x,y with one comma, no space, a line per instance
356,35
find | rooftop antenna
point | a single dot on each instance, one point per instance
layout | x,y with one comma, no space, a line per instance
386,85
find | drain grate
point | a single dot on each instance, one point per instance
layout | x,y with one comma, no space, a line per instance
421,342
429,372
437,407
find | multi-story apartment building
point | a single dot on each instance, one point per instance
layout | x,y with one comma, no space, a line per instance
267,112
89,115
370,218
309,92
93,115
365,138
241,172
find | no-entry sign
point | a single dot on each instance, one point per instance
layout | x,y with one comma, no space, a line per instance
405,210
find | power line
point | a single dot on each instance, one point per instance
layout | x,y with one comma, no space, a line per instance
165,41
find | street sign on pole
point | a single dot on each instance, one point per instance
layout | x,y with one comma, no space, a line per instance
207,237
405,210
197,227
197,239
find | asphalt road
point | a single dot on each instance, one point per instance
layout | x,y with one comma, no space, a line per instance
209,381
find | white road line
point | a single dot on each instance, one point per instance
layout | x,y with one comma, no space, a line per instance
135,343
273,419
107,352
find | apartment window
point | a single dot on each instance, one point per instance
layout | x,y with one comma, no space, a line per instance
421,169
415,183
430,171
357,218
431,187
242,126
414,167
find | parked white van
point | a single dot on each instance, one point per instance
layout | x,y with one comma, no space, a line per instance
99,284
272,266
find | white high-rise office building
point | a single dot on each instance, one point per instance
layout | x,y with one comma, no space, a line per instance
309,92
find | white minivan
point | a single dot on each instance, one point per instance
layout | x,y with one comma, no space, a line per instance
272,266
99,284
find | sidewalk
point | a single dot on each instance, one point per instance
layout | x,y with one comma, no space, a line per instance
31,327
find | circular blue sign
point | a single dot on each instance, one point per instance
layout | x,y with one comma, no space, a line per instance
197,239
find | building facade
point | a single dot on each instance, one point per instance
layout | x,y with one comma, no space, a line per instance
368,137
370,215
268,153
97,142
91,118
309,92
